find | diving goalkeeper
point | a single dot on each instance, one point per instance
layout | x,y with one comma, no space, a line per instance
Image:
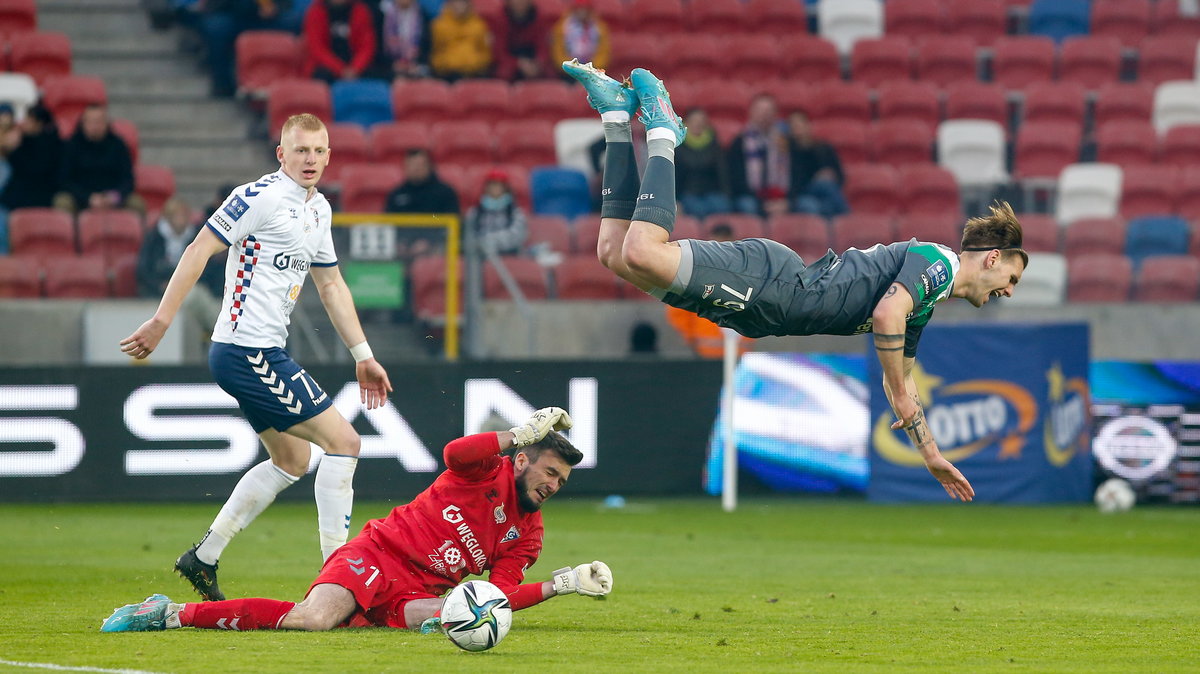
481,514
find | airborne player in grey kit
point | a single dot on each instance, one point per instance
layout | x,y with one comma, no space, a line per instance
760,287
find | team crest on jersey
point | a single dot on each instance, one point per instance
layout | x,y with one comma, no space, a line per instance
511,535
501,518
236,208
708,290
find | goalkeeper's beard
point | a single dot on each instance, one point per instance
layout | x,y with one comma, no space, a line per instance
523,499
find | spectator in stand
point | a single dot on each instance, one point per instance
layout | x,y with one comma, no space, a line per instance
704,337
758,157
97,171
421,192
498,223
8,123
462,43
34,152
404,39
816,171
522,42
339,40
221,21
581,34
163,246
701,170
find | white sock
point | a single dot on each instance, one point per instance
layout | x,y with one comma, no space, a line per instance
253,493
614,116
334,491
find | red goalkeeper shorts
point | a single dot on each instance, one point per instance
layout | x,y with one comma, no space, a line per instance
381,586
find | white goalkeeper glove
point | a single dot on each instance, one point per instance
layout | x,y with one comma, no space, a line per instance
593,580
539,426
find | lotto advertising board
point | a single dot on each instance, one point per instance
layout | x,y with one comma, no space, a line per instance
1008,404
112,434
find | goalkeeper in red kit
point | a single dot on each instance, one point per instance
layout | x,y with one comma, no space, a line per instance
482,514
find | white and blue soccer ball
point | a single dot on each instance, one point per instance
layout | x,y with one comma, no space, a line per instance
476,615
1115,495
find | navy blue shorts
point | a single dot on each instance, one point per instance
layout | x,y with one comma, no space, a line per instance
271,388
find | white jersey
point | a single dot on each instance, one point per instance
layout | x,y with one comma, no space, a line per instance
274,236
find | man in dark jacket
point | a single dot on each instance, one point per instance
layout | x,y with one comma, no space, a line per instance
97,170
521,42
34,152
701,170
421,192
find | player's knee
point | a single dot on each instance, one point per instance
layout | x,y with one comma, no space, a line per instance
313,620
296,466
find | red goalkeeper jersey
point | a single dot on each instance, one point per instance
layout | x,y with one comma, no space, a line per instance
466,522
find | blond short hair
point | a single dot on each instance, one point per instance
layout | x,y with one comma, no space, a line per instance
304,121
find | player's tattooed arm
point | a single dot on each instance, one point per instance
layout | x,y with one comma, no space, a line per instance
886,342
918,429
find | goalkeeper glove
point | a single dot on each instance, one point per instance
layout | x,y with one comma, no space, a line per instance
539,426
593,580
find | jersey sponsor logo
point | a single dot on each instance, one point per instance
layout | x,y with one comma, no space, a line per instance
498,513
283,261
236,208
452,514
222,222
512,534
938,273
447,559
864,328
926,284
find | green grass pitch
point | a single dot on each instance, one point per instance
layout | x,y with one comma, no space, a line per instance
780,585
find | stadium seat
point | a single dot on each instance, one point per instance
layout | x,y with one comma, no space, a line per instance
481,100
1176,103
529,143
463,143
42,55
1060,101
636,50
1098,278
1044,149
1164,58
1086,191
929,189
389,143
847,136
1020,60
845,22
347,145
582,277
841,100
20,276
984,21
75,277
913,18
1156,235
1090,61
777,17
526,272
109,233
1125,142
943,228
559,191
808,58
1166,20
744,226
1180,146
422,100
696,57
128,132
1166,278
547,101
686,227
1059,19
977,100
1040,232
550,231
872,188
862,230
946,59
715,16
911,101
365,187
874,61
1125,20
1126,101
1187,203
264,57
68,96
1090,236
973,150
756,60
365,102
17,16
19,90
903,141
613,12
291,97
585,233
155,184
1044,282
789,94
40,231
804,233
721,98
123,274
427,279
656,16
1148,190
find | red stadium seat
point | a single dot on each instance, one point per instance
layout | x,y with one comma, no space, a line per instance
585,233
929,189
1127,101
389,143
946,59
903,141
1148,190
528,274
862,230
791,95
76,277
1167,278
1090,61
17,16
529,143
715,16
985,21
292,97
463,143
347,145
1040,232
128,132
977,100
365,187
518,179
614,14
1018,61
1181,145
943,228
40,231
483,100
124,276
551,231
1167,21
20,276
1187,203
808,58
696,57
1098,278
686,227
1045,148
776,17
423,100
1125,142
1163,58
1053,102
68,96
462,179
547,101
656,16
879,60
1090,236
427,276
806,234
1125,20
744,226
913,18
42,56
910,101
154,184
582,277
872,188
841,100
110,234
848,137
637,50
756,60
720,98
265,57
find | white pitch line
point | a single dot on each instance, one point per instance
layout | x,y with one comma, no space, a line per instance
64,668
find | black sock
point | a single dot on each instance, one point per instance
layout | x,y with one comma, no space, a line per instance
656,201
620,181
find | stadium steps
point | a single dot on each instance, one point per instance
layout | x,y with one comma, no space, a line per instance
160,88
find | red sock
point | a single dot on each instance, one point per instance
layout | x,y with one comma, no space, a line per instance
236,614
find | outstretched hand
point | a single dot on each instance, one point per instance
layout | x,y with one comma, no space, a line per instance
373,383
145,339
951,478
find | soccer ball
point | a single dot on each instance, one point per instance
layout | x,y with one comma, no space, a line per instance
476,615
1114,495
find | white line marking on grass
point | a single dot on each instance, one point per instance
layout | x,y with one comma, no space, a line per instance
64,668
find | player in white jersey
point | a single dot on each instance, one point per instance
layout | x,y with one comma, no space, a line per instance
276,231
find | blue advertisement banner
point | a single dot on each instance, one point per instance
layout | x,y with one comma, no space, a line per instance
1007,404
